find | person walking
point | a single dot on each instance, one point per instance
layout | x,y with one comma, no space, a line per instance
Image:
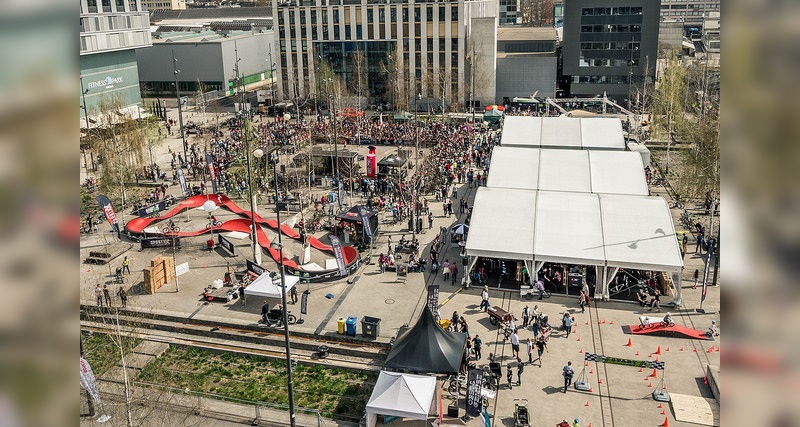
107,295
464,327
514,343
454,321
430,221
541,347
582,302
484,299
509,376
568,322
446,269
264,312
568,373
123,296
520,368
696,277
684,242
126,268
529,346
476,344
293,294
99,294
526,316
241,294
699,245
540,288
453,274
390,245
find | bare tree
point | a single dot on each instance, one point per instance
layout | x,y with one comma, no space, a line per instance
536,13
391,68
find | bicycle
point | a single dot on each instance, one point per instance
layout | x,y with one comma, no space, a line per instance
677,204
214,223
658,181
686,219
171,228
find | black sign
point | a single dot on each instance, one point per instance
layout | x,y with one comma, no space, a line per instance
108,210
304,301
225,243
433,298
159,242
255,268
339,254
474,401
592,357
152,209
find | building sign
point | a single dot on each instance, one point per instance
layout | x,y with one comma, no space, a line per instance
160,242
107,83
474,401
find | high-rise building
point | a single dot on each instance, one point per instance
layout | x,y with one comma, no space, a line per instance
610,46
509,12
408,47
691,12
110,31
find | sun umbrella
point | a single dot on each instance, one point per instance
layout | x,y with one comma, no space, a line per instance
460,229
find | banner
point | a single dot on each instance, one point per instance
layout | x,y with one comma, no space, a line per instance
433,298
341,193
182,181
368,231
372,163
592,357
474,401
337,251
88,382
225,243
210,162
304,301
709,255
153,209
255,268
108,210
159,242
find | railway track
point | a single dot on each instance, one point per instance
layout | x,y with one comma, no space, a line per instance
236,339
602,390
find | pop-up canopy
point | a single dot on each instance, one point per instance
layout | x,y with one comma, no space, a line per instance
265,287
401,395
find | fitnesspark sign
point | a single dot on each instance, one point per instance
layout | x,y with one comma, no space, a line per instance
106,83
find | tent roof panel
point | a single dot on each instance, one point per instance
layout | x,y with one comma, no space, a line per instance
402,395
617,172
502,224
263,286
521,131
514,167
639,233
568,228
558,132
602,133
565,170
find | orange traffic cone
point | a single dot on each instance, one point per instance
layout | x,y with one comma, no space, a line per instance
612,322
663,412
590,425
658,350
586,364
695,349
637,353
717,349
667,348
574,330
650,355
587,403
580,351
681,349
666,422
579,338
654,374
629,344
656,359
640,370
599,381
650,385
587,323
89,270
591,371
591,390
660,405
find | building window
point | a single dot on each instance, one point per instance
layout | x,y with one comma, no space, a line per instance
405,15
291,18
335,16
417,16
454,14
381,15
370,16
324,19
430,45
429,13
314,32
347,32
441,13
302,17
314,17
336,32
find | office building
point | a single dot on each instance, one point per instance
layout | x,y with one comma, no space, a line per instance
527,62
409,47
509,12
164,4
690,12
110,31
610,46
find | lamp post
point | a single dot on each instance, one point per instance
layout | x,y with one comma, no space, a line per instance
289,381
176,71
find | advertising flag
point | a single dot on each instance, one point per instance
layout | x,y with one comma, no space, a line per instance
337,251
108,210
368,231
182,181
474,401
88,381
210,162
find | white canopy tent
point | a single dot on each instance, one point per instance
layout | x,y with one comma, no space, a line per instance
401,395
608,231
265,287
582,171
597,133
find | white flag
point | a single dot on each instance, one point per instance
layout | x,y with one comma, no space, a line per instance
89,382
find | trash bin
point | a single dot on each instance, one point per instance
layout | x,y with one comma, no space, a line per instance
351,325
340,325
370,327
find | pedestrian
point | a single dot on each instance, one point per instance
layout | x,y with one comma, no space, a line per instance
293,294
568,322
684,242
125,267
123,296
529,347
454,321
509,376
568,373
541,347
582,302
526,316
464,327
484,299
699,245
520,367
264,312
99,294
382,263
241,294
656,301
107,295
476,344
696,277
469,348
390,245
540,288
453,274
514,343
430,221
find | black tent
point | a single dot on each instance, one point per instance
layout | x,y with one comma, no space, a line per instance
427,348
357,215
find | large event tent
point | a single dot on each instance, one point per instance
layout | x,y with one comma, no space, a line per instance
401,395
267,287
563,132
582,171
607,231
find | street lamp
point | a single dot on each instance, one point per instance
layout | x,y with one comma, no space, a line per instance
279,246
176,71
258,153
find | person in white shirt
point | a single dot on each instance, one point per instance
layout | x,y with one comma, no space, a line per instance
515,343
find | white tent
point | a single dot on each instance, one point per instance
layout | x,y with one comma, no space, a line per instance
582,171
401,395
602,133
608,231
265,287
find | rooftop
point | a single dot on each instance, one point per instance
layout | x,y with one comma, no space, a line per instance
210,14
526,33
204,36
